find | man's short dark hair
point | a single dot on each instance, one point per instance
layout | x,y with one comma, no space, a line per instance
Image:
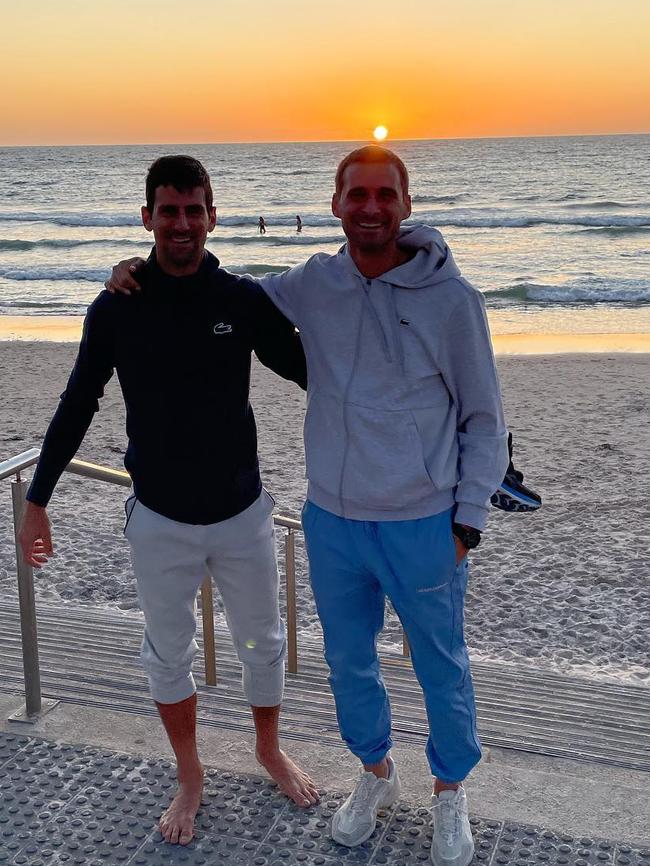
372,153
184,173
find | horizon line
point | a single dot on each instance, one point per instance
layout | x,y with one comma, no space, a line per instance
334,140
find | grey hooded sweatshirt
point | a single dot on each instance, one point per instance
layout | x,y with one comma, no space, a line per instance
404,416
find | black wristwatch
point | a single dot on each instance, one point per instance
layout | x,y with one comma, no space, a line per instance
467,535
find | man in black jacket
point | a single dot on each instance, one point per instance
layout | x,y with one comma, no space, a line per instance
181,349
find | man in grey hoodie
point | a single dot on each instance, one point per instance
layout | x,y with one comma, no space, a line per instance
405,442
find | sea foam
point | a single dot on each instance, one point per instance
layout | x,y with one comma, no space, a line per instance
585,290
93,275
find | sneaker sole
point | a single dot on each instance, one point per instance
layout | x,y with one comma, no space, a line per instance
518,496
383,805
459,861
354,844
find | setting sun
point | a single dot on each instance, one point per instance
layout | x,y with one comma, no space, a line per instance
380,133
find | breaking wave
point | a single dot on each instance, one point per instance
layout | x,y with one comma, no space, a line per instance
584,291
605,205
14,245
72,218
98,275
54,274
256,270
44,308
452,198
616,231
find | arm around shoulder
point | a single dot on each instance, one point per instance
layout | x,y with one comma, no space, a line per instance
285,290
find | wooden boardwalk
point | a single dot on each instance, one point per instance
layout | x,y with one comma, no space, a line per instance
90,658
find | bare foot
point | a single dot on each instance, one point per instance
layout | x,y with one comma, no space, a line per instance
177,823
290,779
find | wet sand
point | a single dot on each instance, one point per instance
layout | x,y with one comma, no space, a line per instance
68,329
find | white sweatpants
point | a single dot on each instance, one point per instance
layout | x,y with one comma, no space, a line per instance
171,560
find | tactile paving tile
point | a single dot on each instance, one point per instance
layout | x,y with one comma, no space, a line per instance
110,819
300,858
86,835
10,744
530,846
126,786
36,783
83,838
626,855
409,833
239,806
303,835
117,799
203,850
50,772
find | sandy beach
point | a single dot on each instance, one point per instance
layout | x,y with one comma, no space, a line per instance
565,588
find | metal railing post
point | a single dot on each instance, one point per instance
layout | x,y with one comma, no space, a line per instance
207,614
33,704
290,577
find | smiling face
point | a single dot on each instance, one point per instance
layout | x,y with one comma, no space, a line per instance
180,222
371,204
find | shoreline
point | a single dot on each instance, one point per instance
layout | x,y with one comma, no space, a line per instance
67,329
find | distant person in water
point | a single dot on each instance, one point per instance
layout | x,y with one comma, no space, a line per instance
261,225
298,223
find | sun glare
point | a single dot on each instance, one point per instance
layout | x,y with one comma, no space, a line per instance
380,133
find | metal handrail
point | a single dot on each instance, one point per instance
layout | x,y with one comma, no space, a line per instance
33,701
21,461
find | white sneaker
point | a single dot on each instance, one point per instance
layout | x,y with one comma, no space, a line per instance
452,837
356,820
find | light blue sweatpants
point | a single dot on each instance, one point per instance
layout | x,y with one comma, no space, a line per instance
354,565
171,560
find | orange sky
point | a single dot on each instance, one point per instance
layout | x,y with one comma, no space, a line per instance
129,71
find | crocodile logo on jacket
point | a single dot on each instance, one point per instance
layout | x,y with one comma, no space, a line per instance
222,328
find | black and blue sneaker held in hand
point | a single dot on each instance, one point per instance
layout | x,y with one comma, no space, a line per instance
512,494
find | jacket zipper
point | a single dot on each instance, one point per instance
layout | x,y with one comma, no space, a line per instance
375,317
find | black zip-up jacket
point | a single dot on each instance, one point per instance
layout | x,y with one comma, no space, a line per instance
182,351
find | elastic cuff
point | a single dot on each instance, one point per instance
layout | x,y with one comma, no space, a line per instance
471,515
262,693
377,756
172,694
255,699
42,501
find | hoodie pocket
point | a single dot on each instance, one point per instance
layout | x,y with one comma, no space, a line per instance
438,438
324,441
384,465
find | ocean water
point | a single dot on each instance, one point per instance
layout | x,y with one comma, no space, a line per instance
554,231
